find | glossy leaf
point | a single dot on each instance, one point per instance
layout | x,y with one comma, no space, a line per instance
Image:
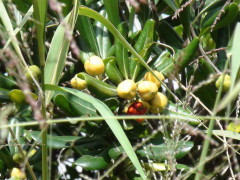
22,5
112,9
87,33
142,47
175,110
88,162
55,142
112,71
6,82
18,132
98,87
231,12
170,148
74,105
228,134
234,51
6,157
187,54
4,95
172,4
102,36
121,53
173,40
114,153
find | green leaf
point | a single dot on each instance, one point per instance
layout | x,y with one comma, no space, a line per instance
142,46
159,153
176,110
164,63
112,9
169,35
112,123
6,157
230,14
187,54
55,142
74,105
102,36
20,25
9,29
185,18
7,82
121,52
22,5
228,134
18,132
112,71
99,88
39,14
172,4
234,51
114,153
4,95
91,162
58,52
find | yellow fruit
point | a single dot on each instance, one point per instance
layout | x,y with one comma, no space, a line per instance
17,157
147,90
18,174
31,153
234,127
150,77
36,72
158,103
94,66
127,89
226,82
78,83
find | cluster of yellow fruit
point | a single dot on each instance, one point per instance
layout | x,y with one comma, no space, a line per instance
147,90
128,89
93,66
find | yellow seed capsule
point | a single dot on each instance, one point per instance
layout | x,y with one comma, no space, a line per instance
158,103
147,90
18,174
226,82
150,77
17,157
36,72
94,66
127,89
78,83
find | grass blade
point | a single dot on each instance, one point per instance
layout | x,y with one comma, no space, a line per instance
22,23
58,52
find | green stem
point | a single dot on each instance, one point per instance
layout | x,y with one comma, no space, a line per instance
22,154
100,118
209,132
40,11
44,155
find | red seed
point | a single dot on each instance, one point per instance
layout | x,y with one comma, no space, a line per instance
131,110
137,105
139,120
